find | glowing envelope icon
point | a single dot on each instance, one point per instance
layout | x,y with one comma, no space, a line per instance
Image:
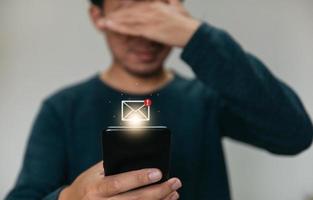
136,110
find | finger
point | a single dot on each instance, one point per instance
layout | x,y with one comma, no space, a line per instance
159,191
141,6
126,15
173,2
99,167
178,5
124,29
128,18
136,8
116,184
172,196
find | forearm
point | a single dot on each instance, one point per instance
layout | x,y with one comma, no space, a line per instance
43,169
271,114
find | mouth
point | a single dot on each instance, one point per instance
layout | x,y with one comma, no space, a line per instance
146,55
146,51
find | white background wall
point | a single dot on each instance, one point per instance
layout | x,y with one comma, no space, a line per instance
45,45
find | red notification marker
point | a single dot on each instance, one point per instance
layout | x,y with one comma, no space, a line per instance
148,102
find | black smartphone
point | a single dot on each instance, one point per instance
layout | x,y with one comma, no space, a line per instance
132,148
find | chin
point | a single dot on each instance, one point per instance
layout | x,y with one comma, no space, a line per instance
144,70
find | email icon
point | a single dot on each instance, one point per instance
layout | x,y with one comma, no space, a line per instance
135,110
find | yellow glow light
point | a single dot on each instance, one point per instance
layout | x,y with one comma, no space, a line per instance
135,120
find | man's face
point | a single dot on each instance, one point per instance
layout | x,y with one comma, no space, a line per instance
137,55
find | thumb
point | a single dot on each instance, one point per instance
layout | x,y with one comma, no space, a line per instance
97,168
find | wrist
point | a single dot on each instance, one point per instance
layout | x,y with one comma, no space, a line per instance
190,27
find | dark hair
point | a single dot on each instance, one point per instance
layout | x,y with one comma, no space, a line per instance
97,2
100,2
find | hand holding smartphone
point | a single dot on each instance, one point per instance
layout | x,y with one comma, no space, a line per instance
133,148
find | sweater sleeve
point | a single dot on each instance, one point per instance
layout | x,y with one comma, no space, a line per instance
254,106
43,171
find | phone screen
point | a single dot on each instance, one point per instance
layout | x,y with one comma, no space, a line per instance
127,149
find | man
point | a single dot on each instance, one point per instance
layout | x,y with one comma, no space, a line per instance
233,95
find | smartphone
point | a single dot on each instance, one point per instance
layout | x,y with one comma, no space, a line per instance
133,148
